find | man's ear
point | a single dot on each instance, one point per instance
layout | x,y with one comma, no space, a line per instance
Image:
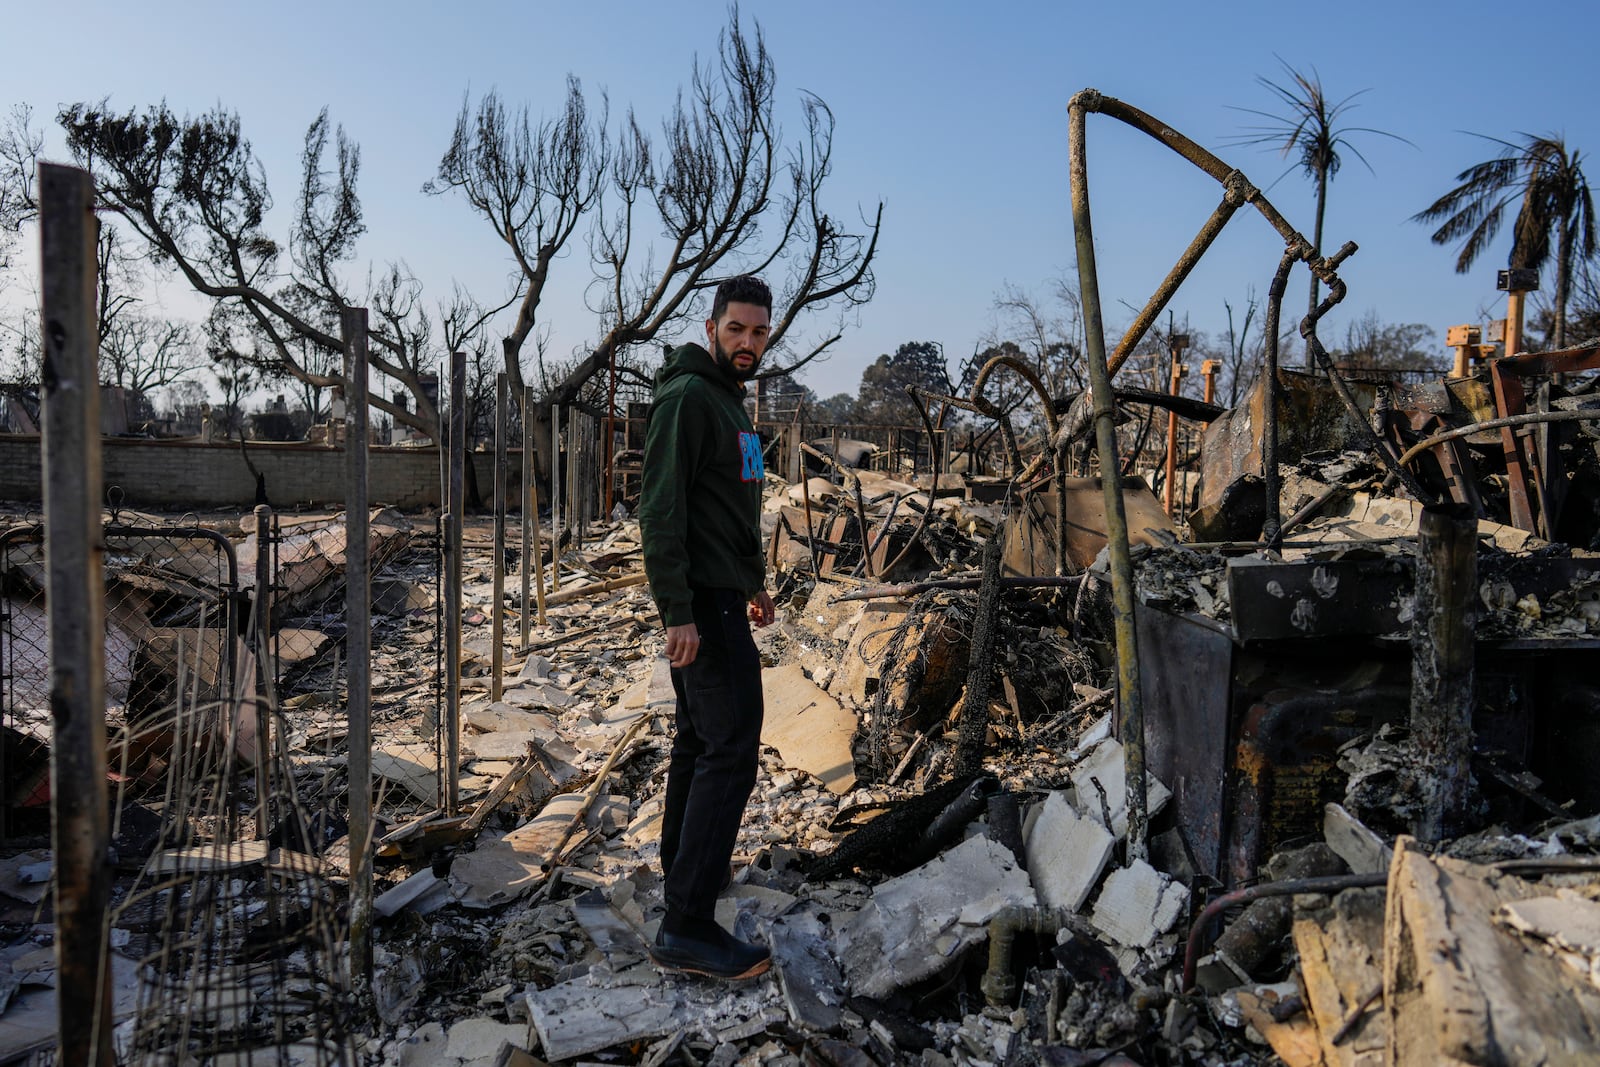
711,332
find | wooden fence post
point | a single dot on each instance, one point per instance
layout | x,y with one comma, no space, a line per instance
75,598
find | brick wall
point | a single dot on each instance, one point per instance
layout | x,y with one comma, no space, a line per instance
191,474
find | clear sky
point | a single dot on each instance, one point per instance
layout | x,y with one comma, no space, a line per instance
953,114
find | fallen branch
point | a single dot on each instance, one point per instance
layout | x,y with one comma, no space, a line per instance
607,586
593,792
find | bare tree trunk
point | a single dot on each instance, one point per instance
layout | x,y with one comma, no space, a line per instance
1316,250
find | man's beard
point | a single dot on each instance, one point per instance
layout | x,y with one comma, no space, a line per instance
725,360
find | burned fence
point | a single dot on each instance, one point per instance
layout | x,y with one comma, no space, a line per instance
228,917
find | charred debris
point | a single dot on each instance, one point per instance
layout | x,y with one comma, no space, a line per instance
1301,774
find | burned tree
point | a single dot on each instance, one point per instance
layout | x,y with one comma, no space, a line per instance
194,191
532,184
726,201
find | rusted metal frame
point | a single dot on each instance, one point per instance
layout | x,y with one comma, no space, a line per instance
1027,374
1527,418
1292,887
1236,191
927,513
1271,527
1327,271
1454,464
75,601
1510,400
1561,361
1131,724
854,483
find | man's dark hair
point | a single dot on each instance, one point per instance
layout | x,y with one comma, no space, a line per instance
741,289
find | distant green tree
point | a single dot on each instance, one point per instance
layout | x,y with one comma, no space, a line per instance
882,399
1547,178
1310,130
837,410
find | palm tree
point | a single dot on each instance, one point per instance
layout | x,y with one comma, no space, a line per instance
1547,178
1309,130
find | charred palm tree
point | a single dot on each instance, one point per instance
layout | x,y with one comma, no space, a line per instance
1546,178
1310,130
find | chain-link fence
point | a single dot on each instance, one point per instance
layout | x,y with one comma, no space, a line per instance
225,915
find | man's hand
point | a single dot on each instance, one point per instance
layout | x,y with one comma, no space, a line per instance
762,609
683,644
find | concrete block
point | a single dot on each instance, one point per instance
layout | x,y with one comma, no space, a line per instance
1137,905
1104,764
1067,853
918,924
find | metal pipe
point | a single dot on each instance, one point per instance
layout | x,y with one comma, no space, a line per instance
75,600
1271,527
266,704
1292,887
1326,270
528,506
1525,419
452,584
555,497
533,558
1236,191
1122,592
497,612
358,644
999,985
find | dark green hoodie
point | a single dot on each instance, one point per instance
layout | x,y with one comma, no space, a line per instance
700,509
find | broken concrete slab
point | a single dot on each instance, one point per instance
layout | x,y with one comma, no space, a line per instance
584,1015
917,924
477,1042
1137,905
810,729
1067,853
1105,764
503,716
423,893
617,941
808,975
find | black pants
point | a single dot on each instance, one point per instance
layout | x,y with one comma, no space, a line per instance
715,754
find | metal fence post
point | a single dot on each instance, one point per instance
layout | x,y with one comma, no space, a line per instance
497,614
452,583
266,683
76,604
555,497
358,643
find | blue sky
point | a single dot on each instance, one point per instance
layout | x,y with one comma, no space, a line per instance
953,114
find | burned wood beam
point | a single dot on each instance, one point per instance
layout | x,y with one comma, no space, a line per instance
980,668
1443,687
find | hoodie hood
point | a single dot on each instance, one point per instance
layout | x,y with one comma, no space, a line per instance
693,359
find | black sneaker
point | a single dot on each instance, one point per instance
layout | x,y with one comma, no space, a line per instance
718,955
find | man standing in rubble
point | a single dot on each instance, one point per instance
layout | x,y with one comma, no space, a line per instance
700,517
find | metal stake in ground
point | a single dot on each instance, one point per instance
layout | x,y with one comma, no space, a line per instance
358,644
497,613
452,584
1442,673
75,598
